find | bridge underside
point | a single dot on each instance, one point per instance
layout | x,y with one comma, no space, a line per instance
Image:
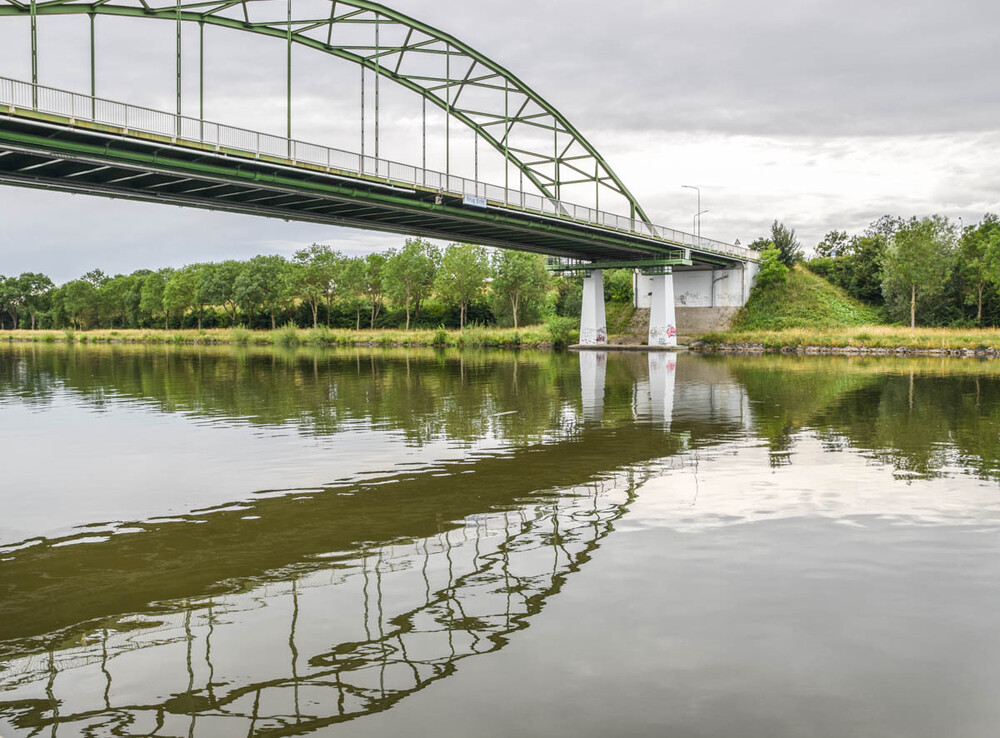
40,154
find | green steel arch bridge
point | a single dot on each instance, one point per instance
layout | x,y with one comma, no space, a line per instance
78,142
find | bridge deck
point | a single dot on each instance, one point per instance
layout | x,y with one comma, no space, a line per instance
58,140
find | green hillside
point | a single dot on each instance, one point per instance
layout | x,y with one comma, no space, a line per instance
803,301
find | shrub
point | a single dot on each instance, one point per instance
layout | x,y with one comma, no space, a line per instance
772,271
321,336
240,335
563,331
287,335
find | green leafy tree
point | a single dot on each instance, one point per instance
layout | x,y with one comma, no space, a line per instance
917,264
10,298
462,276
783,238
180,293
979,260
834,244
519,278
218,287
79,302
151,296
375,284
861,267
314,276
618,285
352,286
118,297
262,284
409,275
36,289
772,270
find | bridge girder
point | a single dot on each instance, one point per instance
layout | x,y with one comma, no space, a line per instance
506,113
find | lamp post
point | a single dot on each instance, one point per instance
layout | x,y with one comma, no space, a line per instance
697,218
699,211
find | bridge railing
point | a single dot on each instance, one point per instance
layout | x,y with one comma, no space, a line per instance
133,119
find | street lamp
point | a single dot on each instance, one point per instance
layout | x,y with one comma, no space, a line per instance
698,215
697,218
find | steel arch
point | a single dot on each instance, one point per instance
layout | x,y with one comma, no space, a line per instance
514,109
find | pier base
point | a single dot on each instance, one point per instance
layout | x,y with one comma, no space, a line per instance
662,318
593,324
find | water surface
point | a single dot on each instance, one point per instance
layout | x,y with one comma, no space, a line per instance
230,542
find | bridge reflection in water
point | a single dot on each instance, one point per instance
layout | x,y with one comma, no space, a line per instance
417,572
373,627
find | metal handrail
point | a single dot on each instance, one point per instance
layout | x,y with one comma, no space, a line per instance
18,95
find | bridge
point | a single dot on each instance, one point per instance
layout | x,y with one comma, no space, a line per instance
74,141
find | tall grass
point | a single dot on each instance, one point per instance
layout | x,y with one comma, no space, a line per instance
286,335
240,336
289,335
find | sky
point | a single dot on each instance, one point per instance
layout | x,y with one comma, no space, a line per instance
824,115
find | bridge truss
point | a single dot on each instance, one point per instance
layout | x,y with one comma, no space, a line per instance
537,141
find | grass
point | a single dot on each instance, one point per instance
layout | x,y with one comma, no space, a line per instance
804,301
809,312
618,315
862,336
288,335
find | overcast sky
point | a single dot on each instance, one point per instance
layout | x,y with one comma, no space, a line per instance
822,114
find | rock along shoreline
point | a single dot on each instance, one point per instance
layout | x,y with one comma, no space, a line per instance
760,348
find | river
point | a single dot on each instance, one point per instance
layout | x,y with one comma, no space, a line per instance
220,541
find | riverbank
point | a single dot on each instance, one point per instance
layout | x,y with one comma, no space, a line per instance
535,336
864,340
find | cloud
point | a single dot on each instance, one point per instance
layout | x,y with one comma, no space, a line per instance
824,114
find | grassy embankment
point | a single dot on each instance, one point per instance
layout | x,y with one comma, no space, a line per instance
527,336
807,311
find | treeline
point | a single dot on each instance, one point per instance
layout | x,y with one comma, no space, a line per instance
418,285
921,271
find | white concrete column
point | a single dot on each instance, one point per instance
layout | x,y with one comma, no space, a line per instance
662,323
593,369
593,324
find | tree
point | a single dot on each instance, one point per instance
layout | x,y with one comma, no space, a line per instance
35,289
352,286
862,266
180,293
618,285
783,238
79,299
24,293
772,270
979,260
374,283
834,244
518,278
151,299
314,275
409,274
10,297
219,287
462,276
262,284
917,263
121,297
